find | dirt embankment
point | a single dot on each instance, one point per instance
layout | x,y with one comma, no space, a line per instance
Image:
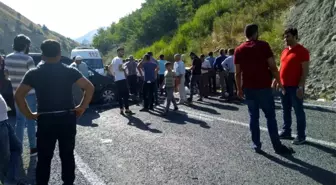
316,22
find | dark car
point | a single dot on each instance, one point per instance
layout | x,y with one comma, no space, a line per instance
104,85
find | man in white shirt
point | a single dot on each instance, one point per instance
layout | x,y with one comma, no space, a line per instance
179,69
206,66
10,146
81,67
117,69
228,66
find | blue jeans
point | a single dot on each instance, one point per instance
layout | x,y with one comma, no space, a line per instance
10,150
288,101
262,99
21,122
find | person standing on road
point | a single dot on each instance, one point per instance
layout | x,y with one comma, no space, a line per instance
228,66
81,67
56,114
169,83
180,71
222,72
118,71
294,68
10,146
150,69
253,61
131,68
156,96
195,77
206,66
212,74
162,68
17,64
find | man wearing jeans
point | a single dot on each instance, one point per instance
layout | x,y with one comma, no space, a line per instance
17,64
293,74
253,59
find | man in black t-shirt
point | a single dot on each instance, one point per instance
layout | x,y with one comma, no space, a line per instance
195,76
56,112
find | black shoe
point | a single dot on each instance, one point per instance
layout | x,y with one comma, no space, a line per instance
299,141
151,108
144,110
284,150
129,112
200,99
285,135
122,112
176,109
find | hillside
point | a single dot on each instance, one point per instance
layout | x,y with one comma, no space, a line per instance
13,23
213,24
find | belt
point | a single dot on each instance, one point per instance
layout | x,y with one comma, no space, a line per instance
56,112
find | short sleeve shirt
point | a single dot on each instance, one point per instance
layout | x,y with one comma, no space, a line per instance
149,69
252,56
291,64
197,64
117,73
53,86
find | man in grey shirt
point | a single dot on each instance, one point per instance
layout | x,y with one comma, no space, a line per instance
132,79
82,67
56,110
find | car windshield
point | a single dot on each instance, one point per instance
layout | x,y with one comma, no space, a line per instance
94,63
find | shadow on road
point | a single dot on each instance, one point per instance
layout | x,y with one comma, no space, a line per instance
87,118
138,123
323,148
318,174
204,109
220,106
180,118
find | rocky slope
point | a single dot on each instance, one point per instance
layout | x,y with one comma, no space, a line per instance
316,21
13,23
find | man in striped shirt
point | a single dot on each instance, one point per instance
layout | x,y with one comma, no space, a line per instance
17,64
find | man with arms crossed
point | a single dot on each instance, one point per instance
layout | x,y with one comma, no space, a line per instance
294,69
253,59
56,114
179,70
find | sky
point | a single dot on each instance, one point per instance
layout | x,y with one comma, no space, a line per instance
74,18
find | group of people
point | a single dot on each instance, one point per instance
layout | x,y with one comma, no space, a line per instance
250,69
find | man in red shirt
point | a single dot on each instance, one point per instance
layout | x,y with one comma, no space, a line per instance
293,74
254,64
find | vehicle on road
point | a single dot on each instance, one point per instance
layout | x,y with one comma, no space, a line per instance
91,57
104,85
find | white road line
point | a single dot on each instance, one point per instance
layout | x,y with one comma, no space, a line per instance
321,142
315,105
90,176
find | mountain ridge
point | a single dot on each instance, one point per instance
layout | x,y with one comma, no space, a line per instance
87,38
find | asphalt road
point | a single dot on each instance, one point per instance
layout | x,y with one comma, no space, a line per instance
206,143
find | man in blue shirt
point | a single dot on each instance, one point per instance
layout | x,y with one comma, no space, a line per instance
222,74
150,69
162,69
212,73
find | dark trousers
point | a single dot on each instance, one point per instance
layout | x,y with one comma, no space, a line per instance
212,81
195,80
140,87
205,84
155,91
160,83
122,94
148,94
230,84
132,83
51,128
288,101
262,99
